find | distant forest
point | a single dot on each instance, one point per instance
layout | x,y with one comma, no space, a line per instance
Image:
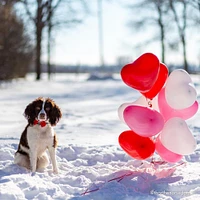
23,24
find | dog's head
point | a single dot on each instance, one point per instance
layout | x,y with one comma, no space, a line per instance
43,109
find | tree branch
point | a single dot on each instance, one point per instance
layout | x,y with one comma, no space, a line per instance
27,10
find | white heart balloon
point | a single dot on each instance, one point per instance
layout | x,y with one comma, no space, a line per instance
177,137
179,91
121,111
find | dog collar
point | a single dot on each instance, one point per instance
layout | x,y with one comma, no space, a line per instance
41,123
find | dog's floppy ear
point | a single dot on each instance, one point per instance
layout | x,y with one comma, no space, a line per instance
29,113
55,114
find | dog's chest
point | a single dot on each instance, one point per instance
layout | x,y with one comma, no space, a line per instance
40,138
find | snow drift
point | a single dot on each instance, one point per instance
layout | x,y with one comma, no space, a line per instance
92,165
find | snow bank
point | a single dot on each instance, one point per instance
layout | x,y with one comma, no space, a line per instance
99,173
91,163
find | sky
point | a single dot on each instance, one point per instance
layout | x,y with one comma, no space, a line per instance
80,45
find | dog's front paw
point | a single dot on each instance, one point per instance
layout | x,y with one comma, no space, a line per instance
55,171
33,173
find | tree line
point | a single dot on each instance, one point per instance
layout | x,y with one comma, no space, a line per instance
19,49
16,50
169,17
43,15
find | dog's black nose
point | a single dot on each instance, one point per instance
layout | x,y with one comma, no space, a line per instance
42,116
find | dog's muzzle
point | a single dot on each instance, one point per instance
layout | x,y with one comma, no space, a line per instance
42,116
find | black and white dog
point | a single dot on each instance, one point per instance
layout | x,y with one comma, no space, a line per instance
42,114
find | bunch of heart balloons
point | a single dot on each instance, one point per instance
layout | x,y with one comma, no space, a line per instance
157,118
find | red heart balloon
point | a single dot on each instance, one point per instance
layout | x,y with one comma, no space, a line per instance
162,77
142,73
136,146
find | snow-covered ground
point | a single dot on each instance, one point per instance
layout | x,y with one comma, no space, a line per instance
92,165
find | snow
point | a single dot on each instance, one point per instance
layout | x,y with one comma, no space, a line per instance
92,166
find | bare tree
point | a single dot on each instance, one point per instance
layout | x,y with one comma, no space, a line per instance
195,11
68,19
41,17
195,4
49,39
158,10
181,23
165,15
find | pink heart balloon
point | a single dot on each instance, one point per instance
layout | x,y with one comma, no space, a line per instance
166,154
169,112
177,137
142,101
144,121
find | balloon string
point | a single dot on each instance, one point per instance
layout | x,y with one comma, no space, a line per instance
149,101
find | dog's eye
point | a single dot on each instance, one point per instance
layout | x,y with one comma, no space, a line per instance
47,108
37,108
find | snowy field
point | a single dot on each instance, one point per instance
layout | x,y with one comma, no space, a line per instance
92,166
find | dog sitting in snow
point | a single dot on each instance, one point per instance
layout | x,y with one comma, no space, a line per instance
42,114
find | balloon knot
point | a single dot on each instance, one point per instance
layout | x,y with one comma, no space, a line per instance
149,101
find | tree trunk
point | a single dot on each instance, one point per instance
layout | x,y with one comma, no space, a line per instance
39,28
184,54
162,29
49,52
181,29
38,52
199,5
163,43
49,20
183,36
